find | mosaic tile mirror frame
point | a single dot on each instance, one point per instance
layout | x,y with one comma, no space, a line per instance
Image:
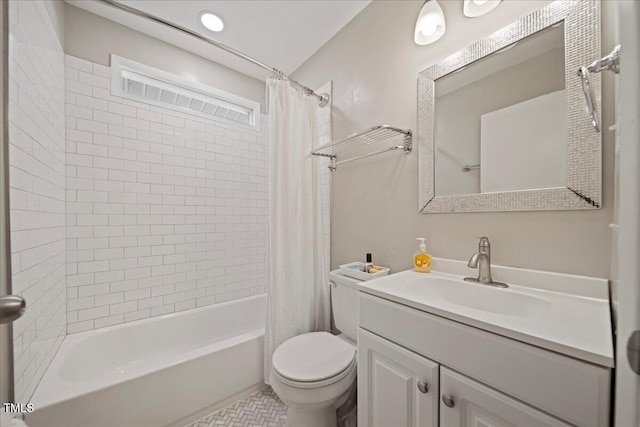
582,190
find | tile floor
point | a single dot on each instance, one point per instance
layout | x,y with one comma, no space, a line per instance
260,409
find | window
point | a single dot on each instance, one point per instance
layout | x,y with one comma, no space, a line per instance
146,84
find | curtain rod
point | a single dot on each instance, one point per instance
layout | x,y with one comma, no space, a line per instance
323,98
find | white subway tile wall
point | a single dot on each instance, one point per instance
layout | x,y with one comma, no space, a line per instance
324,133
166,211
37,194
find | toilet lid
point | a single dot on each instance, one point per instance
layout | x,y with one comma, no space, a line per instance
315,356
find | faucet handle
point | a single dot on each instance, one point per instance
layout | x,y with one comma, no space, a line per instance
484,241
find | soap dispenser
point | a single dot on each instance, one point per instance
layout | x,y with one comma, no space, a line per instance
421,259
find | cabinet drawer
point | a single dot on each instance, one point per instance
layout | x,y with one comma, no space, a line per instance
569,389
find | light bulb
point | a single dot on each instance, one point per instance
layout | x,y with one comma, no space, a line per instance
428,26
474,8
211,21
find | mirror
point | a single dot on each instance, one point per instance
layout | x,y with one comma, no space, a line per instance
502,125
504,98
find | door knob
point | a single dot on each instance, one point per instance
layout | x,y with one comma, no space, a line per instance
448,400
423,387
633,351
11,308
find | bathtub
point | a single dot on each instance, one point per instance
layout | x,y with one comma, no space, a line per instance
163,371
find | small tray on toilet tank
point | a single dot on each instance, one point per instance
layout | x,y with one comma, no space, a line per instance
356,270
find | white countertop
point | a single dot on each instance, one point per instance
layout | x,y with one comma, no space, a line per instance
574,320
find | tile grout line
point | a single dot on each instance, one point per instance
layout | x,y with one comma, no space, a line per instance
262,408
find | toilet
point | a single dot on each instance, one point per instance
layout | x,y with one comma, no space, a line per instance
313,373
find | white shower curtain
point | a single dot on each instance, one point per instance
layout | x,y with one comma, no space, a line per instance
298,278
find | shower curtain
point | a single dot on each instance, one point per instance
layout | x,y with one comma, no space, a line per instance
298,277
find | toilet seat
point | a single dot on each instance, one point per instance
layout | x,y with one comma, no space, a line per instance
313,360
316,384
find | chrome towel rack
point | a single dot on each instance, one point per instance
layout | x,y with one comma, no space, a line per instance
467,168
362,139
610,62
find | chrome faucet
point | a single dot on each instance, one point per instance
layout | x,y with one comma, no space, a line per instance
482,261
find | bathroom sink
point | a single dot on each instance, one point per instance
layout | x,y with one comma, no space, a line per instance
563,313
478,297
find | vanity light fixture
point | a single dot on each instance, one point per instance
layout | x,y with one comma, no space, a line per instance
474,8
211,21
430,25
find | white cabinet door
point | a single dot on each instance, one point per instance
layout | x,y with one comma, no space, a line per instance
467,403
396,387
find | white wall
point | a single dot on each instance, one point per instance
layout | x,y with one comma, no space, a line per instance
37,180
94,38
374,65
166,211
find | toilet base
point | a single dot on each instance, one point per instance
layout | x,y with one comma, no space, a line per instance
314,404
324,417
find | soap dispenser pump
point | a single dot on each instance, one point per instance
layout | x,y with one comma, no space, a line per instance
421,259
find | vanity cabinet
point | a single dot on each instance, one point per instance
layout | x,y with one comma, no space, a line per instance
399,388
473,377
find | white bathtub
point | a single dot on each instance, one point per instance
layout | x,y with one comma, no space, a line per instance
162,371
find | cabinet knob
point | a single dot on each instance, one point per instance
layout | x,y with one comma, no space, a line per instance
423,387
448,400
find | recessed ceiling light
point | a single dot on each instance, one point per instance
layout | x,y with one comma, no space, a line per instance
211,21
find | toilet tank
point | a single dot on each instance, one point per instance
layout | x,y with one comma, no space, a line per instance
344,303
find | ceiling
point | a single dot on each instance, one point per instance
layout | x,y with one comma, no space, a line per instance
283,34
